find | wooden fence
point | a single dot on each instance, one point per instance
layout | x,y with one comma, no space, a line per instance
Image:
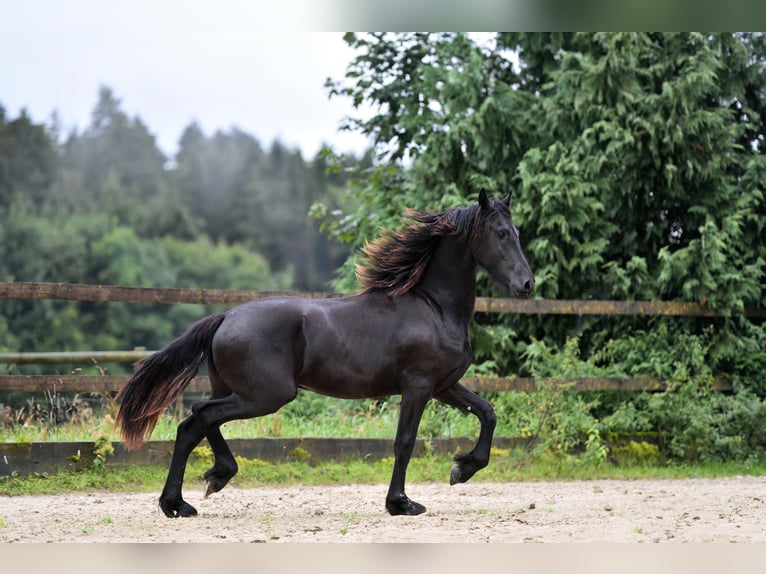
48,457
112,293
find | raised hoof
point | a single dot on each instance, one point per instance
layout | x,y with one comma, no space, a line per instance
403,506
455,475
177,509
219,476
464,468
214,483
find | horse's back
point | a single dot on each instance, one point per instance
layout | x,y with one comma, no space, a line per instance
263,336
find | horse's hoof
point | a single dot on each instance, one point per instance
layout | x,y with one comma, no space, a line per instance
216,478
213,484
455,475
464,468
177,509
404,507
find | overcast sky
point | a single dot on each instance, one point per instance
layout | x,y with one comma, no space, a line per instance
172,62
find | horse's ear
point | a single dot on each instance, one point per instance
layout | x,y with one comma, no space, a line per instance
483,199
507,199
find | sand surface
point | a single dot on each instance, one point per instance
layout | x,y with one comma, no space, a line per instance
691,510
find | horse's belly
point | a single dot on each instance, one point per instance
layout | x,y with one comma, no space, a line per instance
353,351
380,372
348,380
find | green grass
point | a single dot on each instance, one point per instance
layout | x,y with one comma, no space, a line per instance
310,415
505,466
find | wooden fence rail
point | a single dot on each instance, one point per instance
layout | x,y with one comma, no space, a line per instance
113,293
73,357
112,383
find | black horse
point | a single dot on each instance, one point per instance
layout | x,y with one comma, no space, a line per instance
406,333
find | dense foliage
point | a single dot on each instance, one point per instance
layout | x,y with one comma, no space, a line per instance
637,166
106,206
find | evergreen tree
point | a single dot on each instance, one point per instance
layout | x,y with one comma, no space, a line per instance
27,159
635,160
115,166
643,167
258,198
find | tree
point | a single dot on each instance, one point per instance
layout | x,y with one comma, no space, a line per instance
643,165
635,159
116,166
258,198
27,159
213,174
105,207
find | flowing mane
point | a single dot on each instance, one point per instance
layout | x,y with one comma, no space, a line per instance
395,262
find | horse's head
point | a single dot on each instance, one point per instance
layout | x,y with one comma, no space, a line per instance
497,248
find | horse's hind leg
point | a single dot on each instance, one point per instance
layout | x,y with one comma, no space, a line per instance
188,435
212,414
466,465
225,466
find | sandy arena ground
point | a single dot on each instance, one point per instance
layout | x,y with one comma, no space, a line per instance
720,510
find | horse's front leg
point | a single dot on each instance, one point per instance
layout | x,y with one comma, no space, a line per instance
466,465
413,404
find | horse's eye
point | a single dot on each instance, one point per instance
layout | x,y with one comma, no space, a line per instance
502,234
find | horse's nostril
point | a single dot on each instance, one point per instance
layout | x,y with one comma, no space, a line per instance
528,286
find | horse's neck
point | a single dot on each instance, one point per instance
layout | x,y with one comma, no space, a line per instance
450,278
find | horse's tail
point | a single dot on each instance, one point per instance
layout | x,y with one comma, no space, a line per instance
161,378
